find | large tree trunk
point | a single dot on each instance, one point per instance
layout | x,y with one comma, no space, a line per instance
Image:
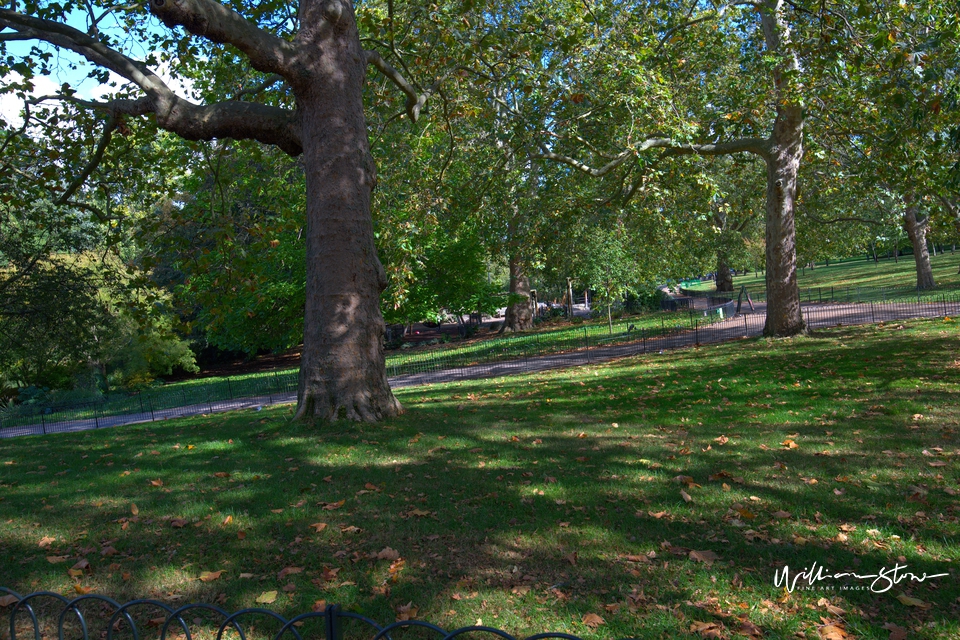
916,226
783,165
519,315
724,279
342,372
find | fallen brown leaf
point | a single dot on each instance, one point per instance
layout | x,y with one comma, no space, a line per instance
592,620
706,557
388,554
406,612
210,576
287,571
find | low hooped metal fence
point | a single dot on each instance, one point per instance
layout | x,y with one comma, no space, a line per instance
522,353
92,616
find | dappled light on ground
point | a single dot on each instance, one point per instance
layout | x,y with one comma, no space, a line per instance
658,493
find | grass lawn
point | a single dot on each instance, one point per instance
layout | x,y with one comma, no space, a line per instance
862,273
659,494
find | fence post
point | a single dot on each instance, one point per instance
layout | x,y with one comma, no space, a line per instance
153,418
229,389
586,341
96,418
332,620
43,424
643,338
872,317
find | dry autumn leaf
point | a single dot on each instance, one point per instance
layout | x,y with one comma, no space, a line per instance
82,590
790,444
178,523
46,541
318,526
287,571
912,602
267,597
592,620
227,520
707,629
832,632
896,631
706,557
686,496
388,554
6,601
330,506
134,509
210,576
781,514
406,612
747,628
108,551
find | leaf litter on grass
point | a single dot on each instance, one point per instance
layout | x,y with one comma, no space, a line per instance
503,535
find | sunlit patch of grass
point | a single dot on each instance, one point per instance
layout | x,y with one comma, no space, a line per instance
862,273
531,502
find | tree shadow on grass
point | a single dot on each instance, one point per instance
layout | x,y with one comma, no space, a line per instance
500,503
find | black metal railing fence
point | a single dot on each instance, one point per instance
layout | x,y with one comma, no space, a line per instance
47,614
496,357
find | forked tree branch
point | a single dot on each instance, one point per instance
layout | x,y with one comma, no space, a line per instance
212,20
758,146
229,119
415,99
111,125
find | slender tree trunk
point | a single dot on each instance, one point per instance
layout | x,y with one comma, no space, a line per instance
724,279
519,316
783,164
342,372
916,227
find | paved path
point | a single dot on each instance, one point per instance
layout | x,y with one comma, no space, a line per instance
747,325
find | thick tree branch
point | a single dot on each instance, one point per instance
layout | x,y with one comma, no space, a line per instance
230,119
580,166
213,21
263,86
94,162
758,146
415,100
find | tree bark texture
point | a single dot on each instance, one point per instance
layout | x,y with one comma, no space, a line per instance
519,316
783,164
342,371
916,226
724,279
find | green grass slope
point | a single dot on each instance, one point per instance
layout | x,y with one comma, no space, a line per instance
649,498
